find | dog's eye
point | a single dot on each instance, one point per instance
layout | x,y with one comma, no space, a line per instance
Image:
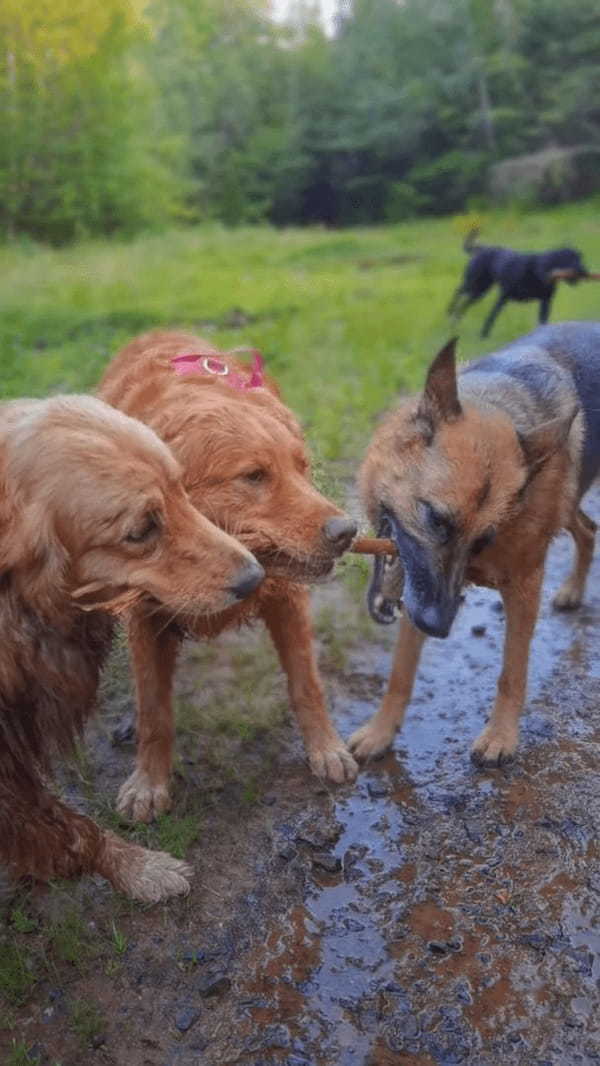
441,525
483,541
255,476
145,531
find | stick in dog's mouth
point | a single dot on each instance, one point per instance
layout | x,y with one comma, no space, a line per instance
570,275
374,546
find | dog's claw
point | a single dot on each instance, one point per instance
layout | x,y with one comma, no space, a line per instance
371,741
568,598
141,801
334,764
493,749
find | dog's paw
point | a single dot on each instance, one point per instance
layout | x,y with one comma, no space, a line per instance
568,597
141,801
494,747
333,763
148,876
371,740
154,875
159,877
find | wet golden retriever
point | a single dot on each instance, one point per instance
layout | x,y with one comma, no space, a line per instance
93,518
246,466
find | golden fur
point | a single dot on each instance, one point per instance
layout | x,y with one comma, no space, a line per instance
93,515
246,466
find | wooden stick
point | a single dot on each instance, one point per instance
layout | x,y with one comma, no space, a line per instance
568,275
374,546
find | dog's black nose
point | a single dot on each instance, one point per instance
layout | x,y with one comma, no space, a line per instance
432,620
248,580
340,531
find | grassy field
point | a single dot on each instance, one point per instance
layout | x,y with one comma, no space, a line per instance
346,320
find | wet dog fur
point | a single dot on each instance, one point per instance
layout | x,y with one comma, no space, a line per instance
472,479
520,276
245,464
93,517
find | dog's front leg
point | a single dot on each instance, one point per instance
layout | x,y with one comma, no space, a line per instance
491,318
498,741
289,623
377,735
153,647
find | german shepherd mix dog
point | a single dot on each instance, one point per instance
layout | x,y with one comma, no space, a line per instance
472,479
93,518
519,275
246,467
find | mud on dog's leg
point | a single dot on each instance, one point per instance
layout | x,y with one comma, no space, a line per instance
498,741
583,531
289,623
46,839
376,736
153,648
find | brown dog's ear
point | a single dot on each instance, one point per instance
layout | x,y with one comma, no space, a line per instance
439,402
543,442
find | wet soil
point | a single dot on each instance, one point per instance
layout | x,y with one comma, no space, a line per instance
432,913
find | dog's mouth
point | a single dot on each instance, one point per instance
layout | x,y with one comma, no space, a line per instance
114,599
384,596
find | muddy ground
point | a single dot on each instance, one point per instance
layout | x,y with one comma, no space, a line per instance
432,913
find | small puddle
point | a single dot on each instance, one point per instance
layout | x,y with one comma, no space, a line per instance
455,921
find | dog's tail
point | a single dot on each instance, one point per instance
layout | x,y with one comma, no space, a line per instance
469,244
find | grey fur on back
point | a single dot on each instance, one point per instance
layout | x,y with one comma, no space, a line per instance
539,377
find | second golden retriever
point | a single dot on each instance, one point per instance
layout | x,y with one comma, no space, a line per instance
246,466
93,517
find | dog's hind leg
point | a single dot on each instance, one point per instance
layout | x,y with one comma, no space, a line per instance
377,735
570,594
453,305
498,741
289,623
491,318
153,646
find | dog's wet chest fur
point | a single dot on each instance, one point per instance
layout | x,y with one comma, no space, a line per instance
48,684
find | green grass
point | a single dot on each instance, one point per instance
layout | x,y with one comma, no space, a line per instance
346,320
87,1022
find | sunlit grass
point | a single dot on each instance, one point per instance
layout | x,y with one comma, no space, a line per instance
346,320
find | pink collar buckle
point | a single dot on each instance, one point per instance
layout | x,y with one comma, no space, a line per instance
207,363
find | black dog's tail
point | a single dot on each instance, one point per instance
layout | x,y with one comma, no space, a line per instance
469,241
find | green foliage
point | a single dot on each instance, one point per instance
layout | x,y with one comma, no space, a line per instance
116,120
17,972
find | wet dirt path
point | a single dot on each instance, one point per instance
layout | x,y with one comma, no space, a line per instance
451,915
432,913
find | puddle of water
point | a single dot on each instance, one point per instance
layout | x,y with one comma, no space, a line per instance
384,976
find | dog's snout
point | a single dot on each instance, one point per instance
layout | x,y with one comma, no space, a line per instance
432,620
340,532
248,579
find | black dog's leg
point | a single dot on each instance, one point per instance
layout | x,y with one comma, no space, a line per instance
453,305
545,309
491,318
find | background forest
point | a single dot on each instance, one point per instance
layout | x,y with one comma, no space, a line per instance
128,115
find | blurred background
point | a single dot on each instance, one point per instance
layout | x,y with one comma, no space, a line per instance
125,114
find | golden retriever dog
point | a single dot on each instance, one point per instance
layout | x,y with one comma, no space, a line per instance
245,465
93,519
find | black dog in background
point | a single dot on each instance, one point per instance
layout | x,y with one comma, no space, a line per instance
520,276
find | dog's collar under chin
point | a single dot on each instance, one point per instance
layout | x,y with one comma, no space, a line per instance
210,364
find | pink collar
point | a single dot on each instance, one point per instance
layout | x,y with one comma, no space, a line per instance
209,363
